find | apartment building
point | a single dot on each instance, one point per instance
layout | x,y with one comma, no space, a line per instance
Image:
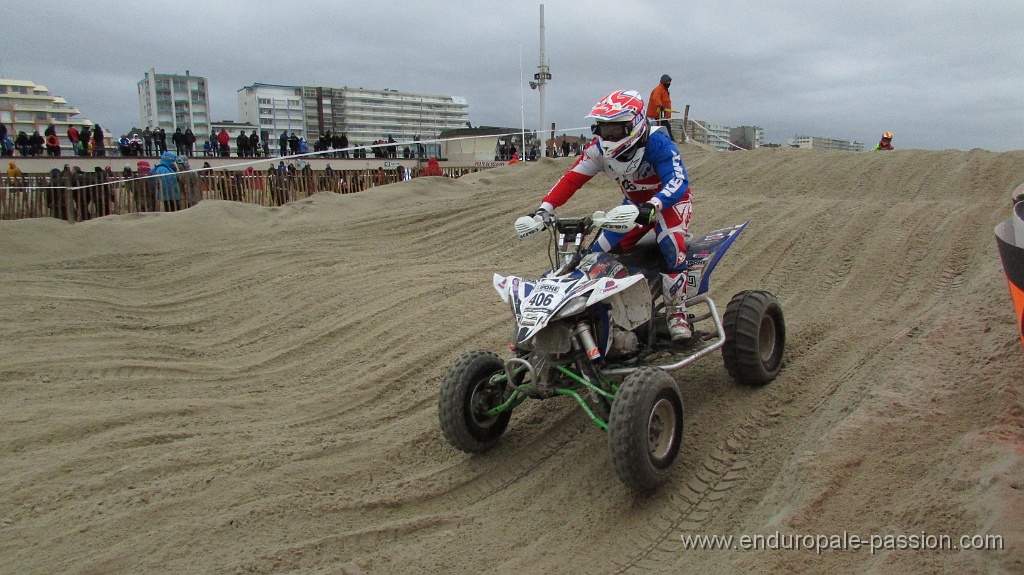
26,107
715,135
819,143
747,137
273,108
172,101
364,116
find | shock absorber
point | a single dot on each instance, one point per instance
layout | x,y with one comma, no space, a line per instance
582,330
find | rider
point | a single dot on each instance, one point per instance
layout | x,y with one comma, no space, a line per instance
651,175
885,143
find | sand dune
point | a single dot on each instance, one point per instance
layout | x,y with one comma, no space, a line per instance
237,389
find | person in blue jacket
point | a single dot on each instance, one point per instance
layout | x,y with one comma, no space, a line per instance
165,185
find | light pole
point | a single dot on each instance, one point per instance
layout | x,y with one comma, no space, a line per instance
541,79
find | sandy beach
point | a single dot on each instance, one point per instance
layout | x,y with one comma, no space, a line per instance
240,389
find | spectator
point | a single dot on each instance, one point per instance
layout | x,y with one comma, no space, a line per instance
7,146
190,142
12,170
52,145
145,198
293,143
343,144
74,139
36,144
147,137
102,193
21,143
225,143
99,146
433,167
160,136
659,107
207,149
135,143
188,181
283,141
56,194
242,143
124,145
165,186
254,144
178,139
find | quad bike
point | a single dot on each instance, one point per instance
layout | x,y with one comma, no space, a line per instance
593,328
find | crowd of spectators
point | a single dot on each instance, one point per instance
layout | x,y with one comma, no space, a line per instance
152,142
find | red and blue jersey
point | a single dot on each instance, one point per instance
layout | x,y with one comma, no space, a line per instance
660,178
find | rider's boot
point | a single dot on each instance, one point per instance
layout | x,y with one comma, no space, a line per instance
673,289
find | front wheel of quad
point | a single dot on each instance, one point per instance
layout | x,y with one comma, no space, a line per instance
474,384
755,337
645,428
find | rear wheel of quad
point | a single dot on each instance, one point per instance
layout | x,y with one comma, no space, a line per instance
645,428
755,337
468,391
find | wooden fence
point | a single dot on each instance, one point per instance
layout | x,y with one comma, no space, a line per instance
86,195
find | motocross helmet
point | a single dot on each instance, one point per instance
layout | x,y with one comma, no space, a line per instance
887,136
621,130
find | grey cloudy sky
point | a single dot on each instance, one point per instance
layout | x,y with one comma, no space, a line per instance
938,73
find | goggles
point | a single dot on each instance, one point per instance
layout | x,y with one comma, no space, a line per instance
611,131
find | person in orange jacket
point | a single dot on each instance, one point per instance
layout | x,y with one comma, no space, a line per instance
659,105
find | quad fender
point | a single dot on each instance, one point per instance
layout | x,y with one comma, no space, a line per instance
503,285
703,253
629,297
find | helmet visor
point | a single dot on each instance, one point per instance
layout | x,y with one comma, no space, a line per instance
611,131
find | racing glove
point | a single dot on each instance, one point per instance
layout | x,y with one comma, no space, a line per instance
648,212
544,215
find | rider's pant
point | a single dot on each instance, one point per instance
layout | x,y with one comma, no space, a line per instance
670,227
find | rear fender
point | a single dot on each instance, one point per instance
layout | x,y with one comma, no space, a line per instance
702,254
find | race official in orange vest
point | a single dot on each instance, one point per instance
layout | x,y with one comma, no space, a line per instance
659,105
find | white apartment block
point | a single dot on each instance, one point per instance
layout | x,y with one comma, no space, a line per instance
715,135
27,107
275,109
364,116
369,115
172,101
819,143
